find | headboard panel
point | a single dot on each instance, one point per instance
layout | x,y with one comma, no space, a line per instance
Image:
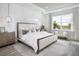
22,25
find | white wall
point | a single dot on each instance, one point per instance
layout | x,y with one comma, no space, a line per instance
76,22
3,12
19,13
46,21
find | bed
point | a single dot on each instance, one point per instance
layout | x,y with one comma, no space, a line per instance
38,40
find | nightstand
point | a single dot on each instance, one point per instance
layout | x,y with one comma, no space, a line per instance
7,38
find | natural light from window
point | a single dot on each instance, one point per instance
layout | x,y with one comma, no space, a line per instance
62,22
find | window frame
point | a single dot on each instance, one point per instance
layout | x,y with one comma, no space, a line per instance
64,22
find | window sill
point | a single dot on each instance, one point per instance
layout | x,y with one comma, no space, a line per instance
61,30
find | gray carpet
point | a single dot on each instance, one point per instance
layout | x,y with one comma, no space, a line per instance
59,48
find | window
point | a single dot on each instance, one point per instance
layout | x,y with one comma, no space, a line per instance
63,22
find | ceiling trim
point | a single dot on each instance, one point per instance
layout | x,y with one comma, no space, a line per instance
43,11
61,9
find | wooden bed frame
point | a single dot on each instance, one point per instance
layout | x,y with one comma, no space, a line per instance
38,50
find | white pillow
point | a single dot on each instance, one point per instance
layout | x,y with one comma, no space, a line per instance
29,31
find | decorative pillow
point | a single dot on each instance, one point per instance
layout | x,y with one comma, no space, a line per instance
43,28
37,30
25,31
33,30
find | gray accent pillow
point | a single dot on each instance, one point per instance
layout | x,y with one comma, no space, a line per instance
25,31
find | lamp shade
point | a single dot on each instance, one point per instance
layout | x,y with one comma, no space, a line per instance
8,19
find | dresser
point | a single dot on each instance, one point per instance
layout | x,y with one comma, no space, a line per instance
7,38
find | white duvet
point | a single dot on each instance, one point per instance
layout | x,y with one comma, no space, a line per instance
31,38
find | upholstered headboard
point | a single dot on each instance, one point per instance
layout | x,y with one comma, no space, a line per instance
24,26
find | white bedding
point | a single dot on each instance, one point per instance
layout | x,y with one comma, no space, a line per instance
31,38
